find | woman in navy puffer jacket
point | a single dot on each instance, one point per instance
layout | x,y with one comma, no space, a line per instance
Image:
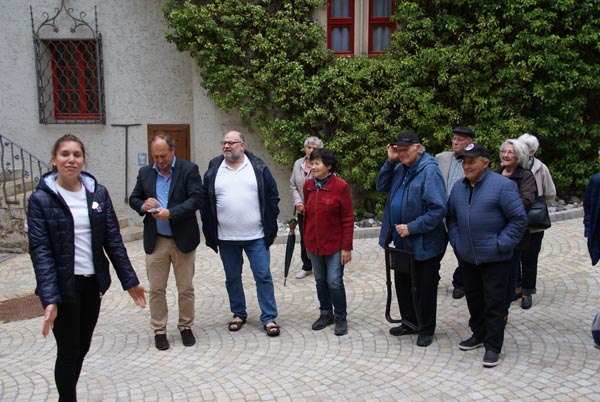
71,225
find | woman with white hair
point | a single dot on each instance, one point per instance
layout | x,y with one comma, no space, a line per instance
526,281
301,173
514,157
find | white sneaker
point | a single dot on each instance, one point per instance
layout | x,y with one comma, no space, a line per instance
303,274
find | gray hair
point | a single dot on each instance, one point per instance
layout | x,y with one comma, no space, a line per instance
314,140
521,152
531,141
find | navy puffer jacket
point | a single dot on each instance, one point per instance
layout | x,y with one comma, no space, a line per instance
52,246
487,221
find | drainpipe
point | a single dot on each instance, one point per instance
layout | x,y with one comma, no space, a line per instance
126,152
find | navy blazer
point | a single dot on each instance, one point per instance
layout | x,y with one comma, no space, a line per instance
185,198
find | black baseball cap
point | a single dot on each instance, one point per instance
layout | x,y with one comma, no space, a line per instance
407,138
475,150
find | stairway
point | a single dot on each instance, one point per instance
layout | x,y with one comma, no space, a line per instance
130,233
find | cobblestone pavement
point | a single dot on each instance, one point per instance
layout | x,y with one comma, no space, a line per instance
548,352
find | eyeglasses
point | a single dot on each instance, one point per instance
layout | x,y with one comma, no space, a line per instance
230,143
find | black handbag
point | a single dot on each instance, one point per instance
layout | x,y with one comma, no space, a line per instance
538,216
402,261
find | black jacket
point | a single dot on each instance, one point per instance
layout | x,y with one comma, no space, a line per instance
52,245
268,197
185,198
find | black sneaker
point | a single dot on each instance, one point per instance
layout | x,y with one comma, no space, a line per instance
424,340
401,330
470,344
187,336
490,359
341,326
161,342
322,322
526,302
458,293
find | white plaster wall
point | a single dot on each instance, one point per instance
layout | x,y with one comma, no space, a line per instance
146,81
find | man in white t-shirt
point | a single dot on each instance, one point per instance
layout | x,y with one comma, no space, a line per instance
240,211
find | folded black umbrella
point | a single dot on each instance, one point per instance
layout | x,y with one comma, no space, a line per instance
289,248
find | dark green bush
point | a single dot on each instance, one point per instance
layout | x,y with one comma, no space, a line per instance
503,68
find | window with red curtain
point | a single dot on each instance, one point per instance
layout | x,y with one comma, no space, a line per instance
74,79
380,25
340,26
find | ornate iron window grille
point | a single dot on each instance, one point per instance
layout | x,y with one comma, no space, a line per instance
69,68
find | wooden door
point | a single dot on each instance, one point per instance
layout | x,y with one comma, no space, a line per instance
180,134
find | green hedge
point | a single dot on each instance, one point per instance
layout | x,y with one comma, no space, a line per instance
503,68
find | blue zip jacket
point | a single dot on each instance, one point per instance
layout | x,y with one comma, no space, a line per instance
486,225
52,241
423,205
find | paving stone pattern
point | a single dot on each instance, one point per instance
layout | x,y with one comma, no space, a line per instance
548,352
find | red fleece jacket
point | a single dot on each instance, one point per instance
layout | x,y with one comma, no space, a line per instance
328,217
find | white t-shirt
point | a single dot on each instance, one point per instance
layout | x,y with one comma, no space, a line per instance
77,202
238,208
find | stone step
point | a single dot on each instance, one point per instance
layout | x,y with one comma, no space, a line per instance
123,222
132,233
15,201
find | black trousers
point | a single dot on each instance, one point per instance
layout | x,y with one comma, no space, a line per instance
73,329
527,278
457,280
428,276
485,289
306,263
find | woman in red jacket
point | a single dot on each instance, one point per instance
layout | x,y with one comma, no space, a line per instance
328,231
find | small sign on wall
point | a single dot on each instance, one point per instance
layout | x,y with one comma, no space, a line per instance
142,159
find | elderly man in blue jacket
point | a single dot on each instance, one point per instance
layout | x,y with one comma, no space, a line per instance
486,220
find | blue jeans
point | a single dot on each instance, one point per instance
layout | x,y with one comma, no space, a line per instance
329,277
260,261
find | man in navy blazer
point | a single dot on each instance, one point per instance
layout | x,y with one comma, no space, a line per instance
168,193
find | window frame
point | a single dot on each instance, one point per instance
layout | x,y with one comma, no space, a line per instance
79,68
337,22
379,22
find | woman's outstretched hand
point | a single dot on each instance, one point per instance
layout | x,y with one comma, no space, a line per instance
50,313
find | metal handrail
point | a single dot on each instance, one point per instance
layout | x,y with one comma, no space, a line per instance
20,173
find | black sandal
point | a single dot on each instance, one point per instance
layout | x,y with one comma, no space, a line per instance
236,325
272,330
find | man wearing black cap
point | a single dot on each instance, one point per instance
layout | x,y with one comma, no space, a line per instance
486,220
451,168
414,211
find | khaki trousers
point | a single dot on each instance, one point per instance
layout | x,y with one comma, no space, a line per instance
158,265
